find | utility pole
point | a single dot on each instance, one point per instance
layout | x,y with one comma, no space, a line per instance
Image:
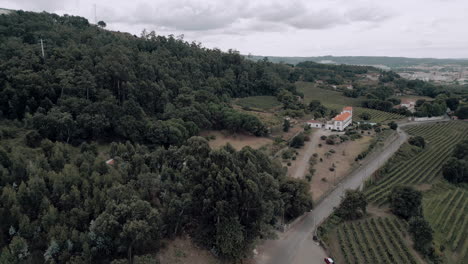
42,48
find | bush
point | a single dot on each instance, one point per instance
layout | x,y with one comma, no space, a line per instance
405,202
365,116
331,169
315,155
323,137
289,163
332,151
298,141
319,145
330,141
393,125
33,139
308,177
306,138
417,141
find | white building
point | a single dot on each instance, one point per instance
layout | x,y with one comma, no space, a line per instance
315,123
339,122
409,104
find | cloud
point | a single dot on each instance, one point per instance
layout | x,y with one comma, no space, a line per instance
230,16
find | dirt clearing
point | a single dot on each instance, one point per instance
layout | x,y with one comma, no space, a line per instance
238,141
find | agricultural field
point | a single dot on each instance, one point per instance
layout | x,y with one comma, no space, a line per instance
426,166
373,240
446,208
258,102
336,100
327,97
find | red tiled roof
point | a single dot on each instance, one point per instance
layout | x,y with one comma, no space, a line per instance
342,116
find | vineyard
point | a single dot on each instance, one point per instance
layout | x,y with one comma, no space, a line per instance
446,208
424,167
376,115
374,240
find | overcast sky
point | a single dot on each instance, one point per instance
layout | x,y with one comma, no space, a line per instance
410,28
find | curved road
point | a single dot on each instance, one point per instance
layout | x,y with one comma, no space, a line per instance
296,245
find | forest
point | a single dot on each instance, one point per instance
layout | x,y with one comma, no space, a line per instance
137,102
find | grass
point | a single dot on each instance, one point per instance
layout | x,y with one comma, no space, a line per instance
258,102
446,208
426,166
327,97
374,240
337,101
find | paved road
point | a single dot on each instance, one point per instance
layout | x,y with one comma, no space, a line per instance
296,245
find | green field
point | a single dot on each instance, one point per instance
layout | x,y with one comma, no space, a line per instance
258,102
337,101
426,166
374,240
327,97
446,208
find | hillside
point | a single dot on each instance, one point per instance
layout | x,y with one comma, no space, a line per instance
100,160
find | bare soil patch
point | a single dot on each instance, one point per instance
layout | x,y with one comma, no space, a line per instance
183,251
423,187
342,161
237,140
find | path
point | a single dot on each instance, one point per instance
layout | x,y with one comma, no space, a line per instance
303,164
296,245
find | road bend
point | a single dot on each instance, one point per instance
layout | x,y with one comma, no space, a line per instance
296,245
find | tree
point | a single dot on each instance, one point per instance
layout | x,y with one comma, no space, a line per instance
417,141
296,197
286,125
101,24
33,139
461,150
405,202
462,113
298,141
421,233
393,125
365,116
353,205
452,103
455,170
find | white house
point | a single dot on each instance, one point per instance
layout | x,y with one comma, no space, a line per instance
339,122
315,123
409,104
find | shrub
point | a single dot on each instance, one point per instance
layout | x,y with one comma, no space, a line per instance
332,151
324,179
315,155
323,137
289,163
297,141
308,177
331,169
417,141
319,145
330,141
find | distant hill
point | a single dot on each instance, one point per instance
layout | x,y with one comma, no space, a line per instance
391,62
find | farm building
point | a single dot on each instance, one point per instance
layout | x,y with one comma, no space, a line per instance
409,104
339,122
315,123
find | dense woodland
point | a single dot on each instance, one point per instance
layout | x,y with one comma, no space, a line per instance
97,94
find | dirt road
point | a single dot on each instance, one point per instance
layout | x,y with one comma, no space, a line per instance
311,146
296,245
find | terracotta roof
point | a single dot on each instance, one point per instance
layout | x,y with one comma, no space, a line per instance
348,108
342,116
313,121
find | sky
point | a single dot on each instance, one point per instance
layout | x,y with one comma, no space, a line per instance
407,28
